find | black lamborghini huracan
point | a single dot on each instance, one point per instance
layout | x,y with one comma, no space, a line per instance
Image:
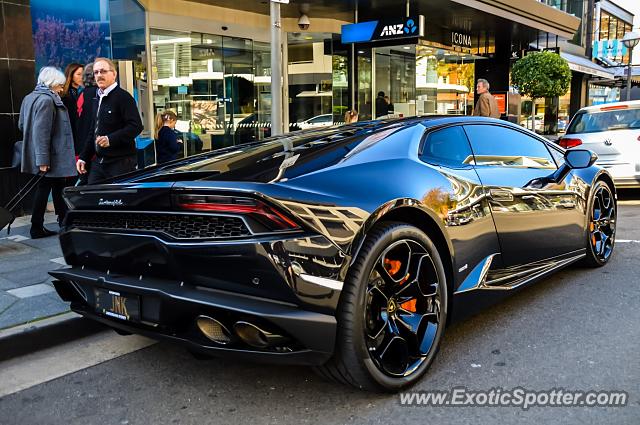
347,248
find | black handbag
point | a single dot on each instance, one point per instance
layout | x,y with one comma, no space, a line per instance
16,160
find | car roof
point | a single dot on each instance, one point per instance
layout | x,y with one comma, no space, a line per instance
631,104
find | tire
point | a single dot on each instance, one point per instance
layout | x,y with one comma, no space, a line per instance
392,311
601,225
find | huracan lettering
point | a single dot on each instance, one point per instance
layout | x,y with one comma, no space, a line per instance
110,203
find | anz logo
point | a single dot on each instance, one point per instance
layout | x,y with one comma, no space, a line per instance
392,30
399,29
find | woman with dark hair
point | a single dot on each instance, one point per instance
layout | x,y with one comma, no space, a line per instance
71,91
86,115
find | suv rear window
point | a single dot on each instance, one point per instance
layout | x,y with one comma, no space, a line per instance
592,122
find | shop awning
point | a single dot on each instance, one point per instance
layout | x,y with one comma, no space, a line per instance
621,73
584,65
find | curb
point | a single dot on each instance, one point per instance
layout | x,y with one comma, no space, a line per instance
47,333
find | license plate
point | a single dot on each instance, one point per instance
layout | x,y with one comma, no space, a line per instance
117,304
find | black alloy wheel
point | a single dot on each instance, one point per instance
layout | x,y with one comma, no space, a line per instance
392,311
402,313
601,227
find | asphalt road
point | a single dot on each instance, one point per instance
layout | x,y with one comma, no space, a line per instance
578,330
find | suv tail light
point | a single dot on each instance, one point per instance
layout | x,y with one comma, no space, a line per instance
266,214
570,143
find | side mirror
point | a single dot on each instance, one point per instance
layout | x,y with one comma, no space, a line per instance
580,158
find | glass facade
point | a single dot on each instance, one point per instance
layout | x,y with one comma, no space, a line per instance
415,79
608,38
311,72
218,86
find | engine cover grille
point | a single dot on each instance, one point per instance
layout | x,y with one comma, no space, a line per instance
178,226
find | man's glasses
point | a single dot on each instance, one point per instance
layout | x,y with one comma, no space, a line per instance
101,71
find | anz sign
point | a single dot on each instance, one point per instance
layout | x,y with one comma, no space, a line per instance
387,29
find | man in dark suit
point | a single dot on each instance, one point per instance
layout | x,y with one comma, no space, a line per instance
111,146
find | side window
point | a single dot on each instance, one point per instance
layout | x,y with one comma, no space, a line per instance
448,147
497,145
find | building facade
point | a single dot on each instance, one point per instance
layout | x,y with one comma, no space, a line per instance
209,61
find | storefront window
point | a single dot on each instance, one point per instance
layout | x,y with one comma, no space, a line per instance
365,87
603,94
218,86
445,81
310,75
340,68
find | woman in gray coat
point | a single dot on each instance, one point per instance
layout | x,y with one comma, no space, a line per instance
47,146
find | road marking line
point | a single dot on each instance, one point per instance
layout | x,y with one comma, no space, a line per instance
626,241
31,291
59,260
43,366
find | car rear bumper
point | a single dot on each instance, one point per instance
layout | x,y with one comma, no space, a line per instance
627,182
624,174
169,311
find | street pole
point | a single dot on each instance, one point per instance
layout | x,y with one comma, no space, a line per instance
630,41
276,69
629,75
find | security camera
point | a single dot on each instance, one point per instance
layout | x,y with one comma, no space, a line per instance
304,22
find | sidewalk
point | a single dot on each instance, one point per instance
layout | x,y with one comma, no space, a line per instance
26,293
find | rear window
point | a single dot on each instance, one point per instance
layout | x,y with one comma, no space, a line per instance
592,122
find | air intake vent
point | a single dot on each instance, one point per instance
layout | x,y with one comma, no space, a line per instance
178,226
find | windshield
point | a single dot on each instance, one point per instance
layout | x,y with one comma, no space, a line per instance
591,122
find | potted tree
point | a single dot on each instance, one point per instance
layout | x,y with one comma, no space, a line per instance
541,75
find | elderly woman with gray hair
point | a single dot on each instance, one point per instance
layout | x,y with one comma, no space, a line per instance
47,146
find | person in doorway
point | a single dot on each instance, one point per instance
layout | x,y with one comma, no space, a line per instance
47,146
382,107
117,124
390,107
351,116
73,87
486,106
167,143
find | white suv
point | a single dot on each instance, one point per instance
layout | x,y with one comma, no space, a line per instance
613,132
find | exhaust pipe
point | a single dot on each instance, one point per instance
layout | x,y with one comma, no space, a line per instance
256,337
213,330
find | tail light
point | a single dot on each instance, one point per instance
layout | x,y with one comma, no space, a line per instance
258,210
570,143
614,107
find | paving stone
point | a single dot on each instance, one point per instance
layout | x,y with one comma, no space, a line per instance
9,248
5,301
35,259
6,284
32,290
30,309
38,272
51,241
